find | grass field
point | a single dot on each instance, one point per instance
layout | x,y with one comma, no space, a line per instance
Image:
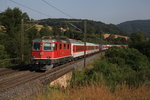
95,92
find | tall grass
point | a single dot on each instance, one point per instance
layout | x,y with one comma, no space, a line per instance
96,92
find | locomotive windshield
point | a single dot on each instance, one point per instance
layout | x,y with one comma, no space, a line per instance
36,46
49,46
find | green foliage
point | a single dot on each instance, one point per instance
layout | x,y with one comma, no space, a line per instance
78,78
110,72
94,29
7,45
119,66
3,53
11,19
3,38
137,37
131,57
32,34
45,32
74,34
139,41
135,67
143,47
3,56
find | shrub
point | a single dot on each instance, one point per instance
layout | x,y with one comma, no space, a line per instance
131,57
119,66
3,56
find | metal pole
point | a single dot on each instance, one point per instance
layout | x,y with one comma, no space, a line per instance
85,43
85,30
22,40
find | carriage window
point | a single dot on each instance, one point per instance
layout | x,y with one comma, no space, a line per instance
68,46
60,46
55,46
49,46
65,46
36,46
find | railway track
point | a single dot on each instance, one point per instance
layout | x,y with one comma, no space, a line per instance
26,83
29,76
11,75
6,71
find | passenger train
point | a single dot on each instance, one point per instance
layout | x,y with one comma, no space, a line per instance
50,51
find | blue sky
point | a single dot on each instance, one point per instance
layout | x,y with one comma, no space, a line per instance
107,11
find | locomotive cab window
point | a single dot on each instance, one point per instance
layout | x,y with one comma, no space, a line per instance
36,46
49,46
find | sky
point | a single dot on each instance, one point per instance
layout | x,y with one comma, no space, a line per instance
107,11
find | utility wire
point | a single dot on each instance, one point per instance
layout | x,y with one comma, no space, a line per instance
29,8
62,13
75,27
32,10
56,8
30,27
46,14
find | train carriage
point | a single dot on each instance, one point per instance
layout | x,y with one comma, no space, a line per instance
78,48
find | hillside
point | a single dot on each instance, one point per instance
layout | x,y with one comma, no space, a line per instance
136,26
95,27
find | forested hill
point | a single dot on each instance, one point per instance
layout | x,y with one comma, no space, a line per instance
92,26
136,26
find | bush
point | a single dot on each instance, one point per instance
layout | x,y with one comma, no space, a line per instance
119,66
3,54
78,78
130,57
134,66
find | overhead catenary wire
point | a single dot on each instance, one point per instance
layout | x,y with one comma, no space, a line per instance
46,14
30,8
57,8
75,27
62,13
30,27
